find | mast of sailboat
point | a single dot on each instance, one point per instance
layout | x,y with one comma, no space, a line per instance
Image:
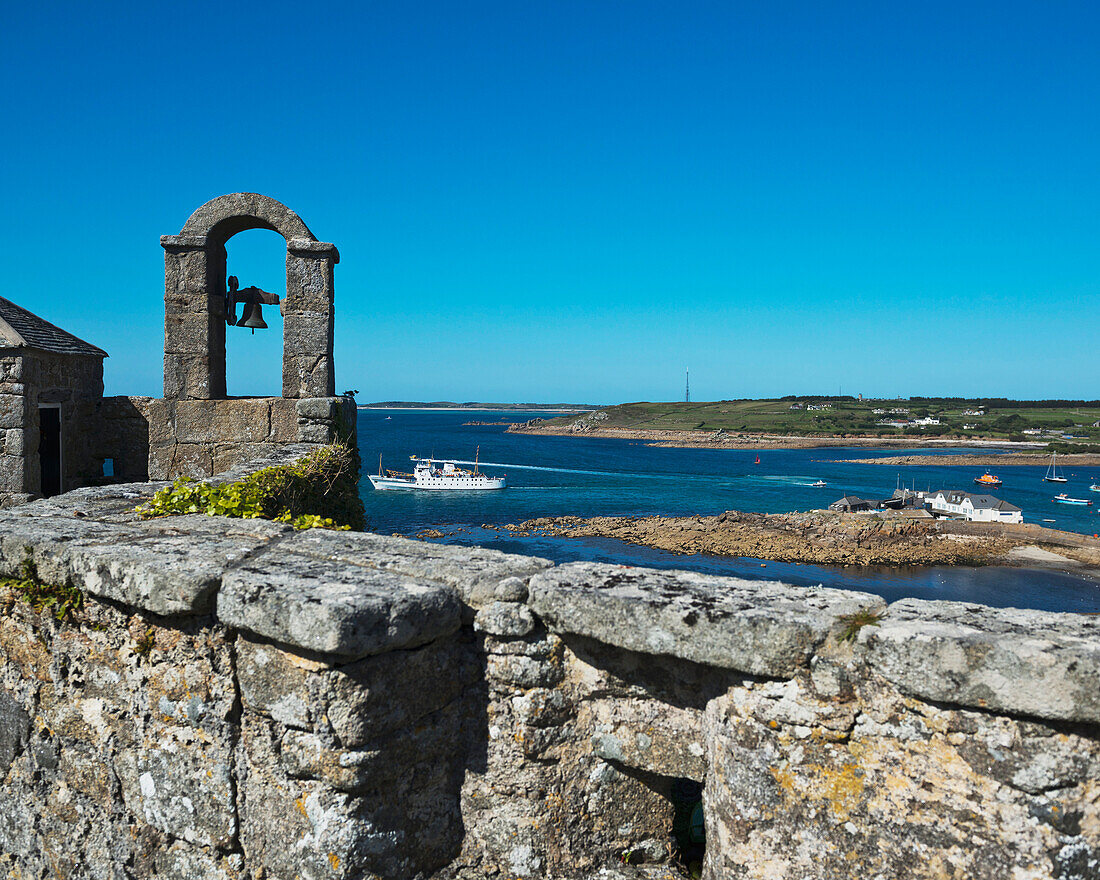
477,455
379,464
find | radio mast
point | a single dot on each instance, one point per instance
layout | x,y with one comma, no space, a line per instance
687,385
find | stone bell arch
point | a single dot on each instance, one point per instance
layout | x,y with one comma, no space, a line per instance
194,299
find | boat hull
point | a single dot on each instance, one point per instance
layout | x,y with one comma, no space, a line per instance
439,484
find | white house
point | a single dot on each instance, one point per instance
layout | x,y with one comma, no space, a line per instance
972,507
926,421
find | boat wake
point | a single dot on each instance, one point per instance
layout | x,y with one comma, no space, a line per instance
535,467
787,481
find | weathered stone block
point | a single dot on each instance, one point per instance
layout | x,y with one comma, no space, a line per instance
302,828
316,432
14,729
1002,659
242,420
276,683
309,282
307,375
758,627
13,474
12,411
184,790
13,442
167,566
353,611
284,421
195,460
11,369
647,735
364,701
318,409
462,568
507,619
228,456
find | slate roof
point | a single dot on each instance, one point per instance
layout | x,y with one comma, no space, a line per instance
983,502
22,329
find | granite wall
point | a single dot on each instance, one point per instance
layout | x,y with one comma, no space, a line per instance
161,439
236,699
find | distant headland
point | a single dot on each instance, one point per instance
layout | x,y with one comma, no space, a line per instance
1066,426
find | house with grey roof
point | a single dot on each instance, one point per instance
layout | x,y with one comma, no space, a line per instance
972,506
51,386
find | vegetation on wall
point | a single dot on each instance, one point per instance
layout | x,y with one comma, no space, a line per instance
319,490
61,601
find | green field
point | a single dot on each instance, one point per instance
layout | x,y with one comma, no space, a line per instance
1002,419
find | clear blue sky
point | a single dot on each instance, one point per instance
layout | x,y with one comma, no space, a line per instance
575,200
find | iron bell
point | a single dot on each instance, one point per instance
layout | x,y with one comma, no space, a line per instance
252,318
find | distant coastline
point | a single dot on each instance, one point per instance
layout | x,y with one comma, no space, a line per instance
1008,459
806,422
482,407
726,440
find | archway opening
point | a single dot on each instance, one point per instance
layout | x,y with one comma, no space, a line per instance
254,359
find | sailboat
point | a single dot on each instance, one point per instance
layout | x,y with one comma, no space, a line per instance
757,460
1052,471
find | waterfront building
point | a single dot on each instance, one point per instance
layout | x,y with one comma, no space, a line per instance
973,507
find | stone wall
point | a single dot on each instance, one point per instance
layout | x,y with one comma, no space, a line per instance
239,700
154,438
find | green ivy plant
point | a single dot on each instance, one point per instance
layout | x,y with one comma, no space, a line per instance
320,490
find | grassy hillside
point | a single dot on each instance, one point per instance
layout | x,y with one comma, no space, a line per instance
1001,420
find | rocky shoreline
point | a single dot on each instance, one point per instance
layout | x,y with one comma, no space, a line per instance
828,538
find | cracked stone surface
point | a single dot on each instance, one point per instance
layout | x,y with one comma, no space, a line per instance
350,611
759,627
1005,659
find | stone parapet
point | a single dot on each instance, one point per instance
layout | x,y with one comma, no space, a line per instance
239,699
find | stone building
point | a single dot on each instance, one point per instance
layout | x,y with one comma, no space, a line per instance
51,384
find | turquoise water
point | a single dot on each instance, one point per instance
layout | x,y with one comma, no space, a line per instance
557,476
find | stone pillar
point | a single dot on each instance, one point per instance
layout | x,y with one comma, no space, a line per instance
308,317
194,317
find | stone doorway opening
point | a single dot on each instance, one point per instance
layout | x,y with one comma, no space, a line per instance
49,448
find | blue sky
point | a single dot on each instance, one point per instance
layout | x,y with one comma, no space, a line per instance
575,200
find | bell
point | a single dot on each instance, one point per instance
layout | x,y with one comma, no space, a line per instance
252,318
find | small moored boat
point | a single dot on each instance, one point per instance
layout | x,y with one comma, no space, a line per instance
1052,471
1065,499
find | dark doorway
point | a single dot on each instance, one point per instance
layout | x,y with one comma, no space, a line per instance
49,448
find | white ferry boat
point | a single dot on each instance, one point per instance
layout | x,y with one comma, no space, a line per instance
436,475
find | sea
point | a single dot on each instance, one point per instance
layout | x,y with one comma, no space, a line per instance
583,476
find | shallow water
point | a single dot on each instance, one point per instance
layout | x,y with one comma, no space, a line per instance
558,476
